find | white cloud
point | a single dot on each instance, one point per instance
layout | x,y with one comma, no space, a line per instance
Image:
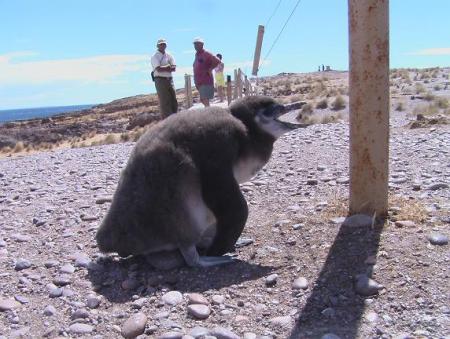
433,51
100,68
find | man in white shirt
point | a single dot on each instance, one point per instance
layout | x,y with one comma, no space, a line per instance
163,65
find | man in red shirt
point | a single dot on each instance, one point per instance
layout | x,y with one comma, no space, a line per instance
204,63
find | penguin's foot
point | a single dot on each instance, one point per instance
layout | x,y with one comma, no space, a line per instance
193,259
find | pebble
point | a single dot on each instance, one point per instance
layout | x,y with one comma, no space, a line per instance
197,298
67,268
20,237
271,280
283,321
22,299
371,317
51,263
244,242
366,286
54,291
223,333
62,280
438,239
82,260
49,310
80,313
198,331
171,335
20,333
80,328
199,311
22,264
102,200
358,220
300,283
134,325
172,298
8,305
437,186
93,301
405,223
218,299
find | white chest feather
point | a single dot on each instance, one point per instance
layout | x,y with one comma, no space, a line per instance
246,169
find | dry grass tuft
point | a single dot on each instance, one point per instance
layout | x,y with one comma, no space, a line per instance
338,103
402,208
19,147
307,109
322,104
399,107
430,109
407,209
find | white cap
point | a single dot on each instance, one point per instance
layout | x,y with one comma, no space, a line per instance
161,41
199,40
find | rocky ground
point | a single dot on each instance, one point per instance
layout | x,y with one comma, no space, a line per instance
304,271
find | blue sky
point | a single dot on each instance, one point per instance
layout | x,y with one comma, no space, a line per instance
93,51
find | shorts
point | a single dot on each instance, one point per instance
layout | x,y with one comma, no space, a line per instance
206,91
220,81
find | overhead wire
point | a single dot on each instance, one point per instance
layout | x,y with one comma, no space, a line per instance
279,34
273,13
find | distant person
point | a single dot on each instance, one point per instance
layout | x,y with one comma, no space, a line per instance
204,64
220,80
163,65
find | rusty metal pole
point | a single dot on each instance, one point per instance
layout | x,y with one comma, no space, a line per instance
369,106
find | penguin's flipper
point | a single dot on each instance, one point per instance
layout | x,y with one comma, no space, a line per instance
224,198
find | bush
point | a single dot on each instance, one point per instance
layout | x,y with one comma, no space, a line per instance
429,97
437,87
426,110
322,104
19,147
338,103
307,109
420,88
399,107
441,102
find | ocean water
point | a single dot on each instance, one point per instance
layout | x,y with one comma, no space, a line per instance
38,112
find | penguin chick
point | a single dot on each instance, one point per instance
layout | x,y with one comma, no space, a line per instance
180,187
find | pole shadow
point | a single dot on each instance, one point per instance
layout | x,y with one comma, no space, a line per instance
333,306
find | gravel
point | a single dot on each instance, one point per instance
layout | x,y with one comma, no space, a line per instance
303,271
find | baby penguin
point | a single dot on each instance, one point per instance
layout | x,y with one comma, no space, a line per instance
180,187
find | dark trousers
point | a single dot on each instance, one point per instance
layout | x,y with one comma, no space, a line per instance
166,93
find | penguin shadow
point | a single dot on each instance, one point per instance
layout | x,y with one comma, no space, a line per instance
120,280
334,306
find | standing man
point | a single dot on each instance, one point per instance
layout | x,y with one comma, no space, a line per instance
163,65
204,63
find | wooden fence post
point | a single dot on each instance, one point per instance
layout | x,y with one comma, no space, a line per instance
229,89
239,83
235,89
257,56
188,90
